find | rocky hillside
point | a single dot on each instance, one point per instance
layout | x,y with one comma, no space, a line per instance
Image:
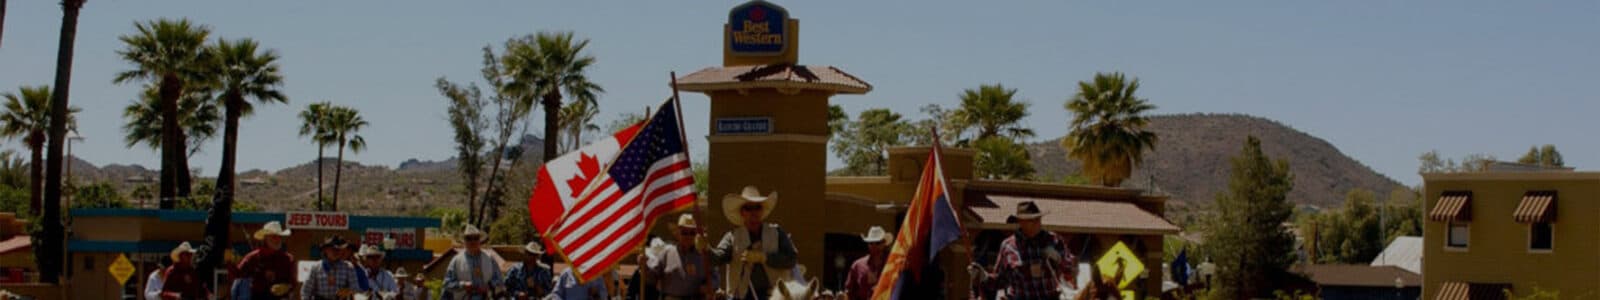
1192,159
411,189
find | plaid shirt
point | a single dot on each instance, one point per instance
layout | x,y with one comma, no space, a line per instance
1023,270
325,281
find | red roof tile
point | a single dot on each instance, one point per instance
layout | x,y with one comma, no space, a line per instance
773,76
1070,215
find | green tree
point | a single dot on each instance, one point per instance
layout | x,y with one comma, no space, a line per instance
1350,235
1545,156
345,125
27,117
1000,157
197,112
241,71
142,193
14,184
508,112
168,53
542,67
313,125
98,195
838,120
576,119
1246,235
513,229
1107,130
623,121
990,111
465,111
864,145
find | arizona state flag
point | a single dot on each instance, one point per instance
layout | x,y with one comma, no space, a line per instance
929,226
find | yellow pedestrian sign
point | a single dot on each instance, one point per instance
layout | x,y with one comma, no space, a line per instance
122,269
1131,269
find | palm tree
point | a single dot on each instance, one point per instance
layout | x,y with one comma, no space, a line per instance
27,117
575,120
241,71
168,53
990,110
343,123
54,241
2,18
542,67
311,125
1107,130
197,117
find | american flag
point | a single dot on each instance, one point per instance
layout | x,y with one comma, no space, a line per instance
650,177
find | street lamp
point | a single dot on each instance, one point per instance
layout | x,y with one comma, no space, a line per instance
72,136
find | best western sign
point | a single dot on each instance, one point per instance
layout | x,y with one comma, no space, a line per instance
317,220
757,28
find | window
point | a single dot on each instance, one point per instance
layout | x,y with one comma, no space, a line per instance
1458,235
1541,237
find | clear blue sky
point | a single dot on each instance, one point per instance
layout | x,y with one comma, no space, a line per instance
1382,80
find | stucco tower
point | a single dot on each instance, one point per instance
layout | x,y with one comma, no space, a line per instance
769,122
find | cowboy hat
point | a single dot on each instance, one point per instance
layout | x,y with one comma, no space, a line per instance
471,233
401,273
1026,210
533,248
181,249
731,203
686,221
876,235
334,242
271,228
369,250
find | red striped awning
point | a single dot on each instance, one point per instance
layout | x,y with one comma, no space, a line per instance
1536,207
1452,206
1456,290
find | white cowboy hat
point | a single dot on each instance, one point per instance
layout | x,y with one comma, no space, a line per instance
471,233
731,203
401,273
686,221
655,249
876,235
369,250
272,228
533,247
181,249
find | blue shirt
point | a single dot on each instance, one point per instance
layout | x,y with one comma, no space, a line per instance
536,280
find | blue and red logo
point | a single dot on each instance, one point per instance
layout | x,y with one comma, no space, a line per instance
757,28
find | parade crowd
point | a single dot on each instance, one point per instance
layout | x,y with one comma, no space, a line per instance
755,260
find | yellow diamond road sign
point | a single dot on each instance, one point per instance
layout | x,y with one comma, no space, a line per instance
1131,269
121,269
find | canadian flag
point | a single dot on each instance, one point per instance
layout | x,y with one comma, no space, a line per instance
563,178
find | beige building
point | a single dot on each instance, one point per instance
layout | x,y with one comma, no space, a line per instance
1520,231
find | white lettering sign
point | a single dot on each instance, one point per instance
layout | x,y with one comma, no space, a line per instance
317,220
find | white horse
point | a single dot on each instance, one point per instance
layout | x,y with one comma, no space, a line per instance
795,290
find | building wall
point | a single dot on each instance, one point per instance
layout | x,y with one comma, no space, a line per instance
792,161
1497,249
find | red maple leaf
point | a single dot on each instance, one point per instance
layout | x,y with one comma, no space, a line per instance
588,167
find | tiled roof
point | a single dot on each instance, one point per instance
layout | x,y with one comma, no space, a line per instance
1536,207
785,76
1070,215
16,243
1452,206
1359,275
